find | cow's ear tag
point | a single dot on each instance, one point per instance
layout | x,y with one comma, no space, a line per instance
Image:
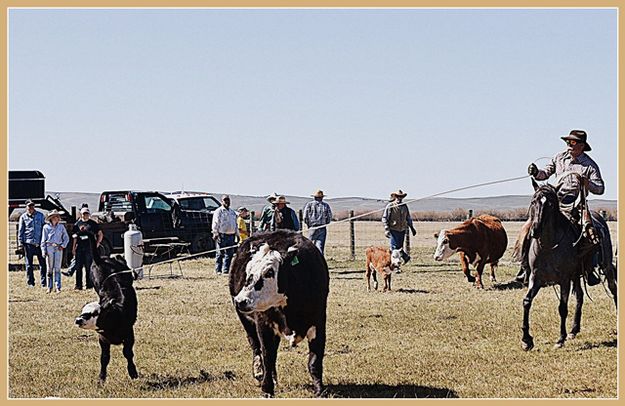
295,261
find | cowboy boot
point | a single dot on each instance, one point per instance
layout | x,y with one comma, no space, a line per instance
405,256
589,267
592,278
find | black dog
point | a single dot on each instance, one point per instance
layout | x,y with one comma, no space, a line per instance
114,315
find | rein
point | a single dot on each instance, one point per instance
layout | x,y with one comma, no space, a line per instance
556,245
115,274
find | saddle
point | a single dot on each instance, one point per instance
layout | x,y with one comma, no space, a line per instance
594,240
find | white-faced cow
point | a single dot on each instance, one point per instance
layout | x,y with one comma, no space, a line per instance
114,315
279,284
383,261
479,240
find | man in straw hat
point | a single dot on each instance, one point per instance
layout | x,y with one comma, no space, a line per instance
284,216
317,215
54,239
265,222
396,219
29,232
575,159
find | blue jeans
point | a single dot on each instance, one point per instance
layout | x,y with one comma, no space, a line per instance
84,257
31,250
224,256
397,239
318,237
55,257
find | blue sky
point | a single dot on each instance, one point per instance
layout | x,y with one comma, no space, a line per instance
355,102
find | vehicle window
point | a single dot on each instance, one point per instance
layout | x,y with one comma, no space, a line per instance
117,202
154,204
191,204
198,203
211,204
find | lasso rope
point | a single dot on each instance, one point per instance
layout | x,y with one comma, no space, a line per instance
405,202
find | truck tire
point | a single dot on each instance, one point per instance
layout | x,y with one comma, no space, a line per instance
67,256
105,248
201,243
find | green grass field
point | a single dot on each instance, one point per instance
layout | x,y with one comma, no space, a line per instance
433,336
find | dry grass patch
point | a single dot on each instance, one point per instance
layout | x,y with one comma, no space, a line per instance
433,336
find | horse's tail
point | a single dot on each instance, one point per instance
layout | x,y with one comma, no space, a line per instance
516,251
518,244
610,278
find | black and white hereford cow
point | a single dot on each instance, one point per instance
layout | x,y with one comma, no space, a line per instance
279,284
114,315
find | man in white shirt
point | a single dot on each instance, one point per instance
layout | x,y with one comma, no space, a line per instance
224,233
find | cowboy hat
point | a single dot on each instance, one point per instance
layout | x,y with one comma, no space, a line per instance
272,197
579,136
53,213
242,209
318,193
281,199
399,193
29,203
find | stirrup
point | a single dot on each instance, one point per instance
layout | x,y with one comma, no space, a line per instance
592,279
591,234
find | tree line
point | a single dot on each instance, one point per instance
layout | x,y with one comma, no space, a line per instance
460,214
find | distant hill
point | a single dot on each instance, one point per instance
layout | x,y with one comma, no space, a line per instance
439,204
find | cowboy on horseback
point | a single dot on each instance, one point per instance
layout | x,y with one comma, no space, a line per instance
573,159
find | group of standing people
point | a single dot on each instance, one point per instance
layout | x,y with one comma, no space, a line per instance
230,227
46,238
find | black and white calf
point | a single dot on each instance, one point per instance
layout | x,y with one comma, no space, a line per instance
279,285
114,315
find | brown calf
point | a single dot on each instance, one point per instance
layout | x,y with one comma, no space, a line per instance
384,261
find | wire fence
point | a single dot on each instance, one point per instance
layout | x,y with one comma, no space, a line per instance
346,242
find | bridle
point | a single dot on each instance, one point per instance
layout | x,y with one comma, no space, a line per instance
553,190
537,209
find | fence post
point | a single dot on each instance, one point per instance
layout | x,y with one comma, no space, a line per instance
352,237
252,222
470,214
301,220
73,210
407,242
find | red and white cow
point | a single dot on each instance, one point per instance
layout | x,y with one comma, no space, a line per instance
479,240
384,261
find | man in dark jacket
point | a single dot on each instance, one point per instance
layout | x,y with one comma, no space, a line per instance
285,216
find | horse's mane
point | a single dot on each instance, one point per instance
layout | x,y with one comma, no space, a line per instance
547,191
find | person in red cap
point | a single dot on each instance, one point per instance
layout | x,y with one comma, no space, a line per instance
572,159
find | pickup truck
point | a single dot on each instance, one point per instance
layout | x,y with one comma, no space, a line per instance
161,220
